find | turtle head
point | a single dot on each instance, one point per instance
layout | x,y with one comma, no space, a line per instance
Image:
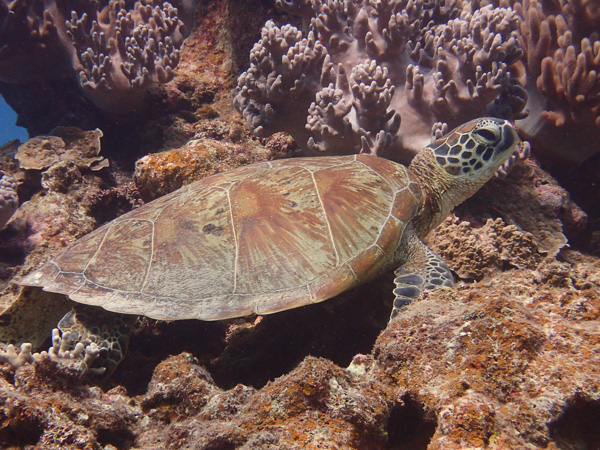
455,166
474,151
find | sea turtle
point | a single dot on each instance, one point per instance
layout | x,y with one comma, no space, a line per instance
275,235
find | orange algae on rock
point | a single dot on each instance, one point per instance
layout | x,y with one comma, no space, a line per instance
158,174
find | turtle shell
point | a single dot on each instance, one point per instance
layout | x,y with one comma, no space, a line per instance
259,239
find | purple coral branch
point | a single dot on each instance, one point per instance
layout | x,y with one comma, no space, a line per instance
119,59
411,65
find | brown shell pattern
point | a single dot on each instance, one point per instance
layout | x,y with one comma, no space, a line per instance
259,239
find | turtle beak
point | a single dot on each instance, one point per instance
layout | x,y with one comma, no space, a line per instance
522,152
509,137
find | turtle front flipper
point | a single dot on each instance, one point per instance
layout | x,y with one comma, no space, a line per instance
424,271
110,332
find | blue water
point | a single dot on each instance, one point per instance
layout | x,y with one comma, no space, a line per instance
8,129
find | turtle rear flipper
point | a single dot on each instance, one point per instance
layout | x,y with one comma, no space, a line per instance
425,271
110,332
32,316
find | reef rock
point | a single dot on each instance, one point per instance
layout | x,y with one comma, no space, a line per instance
63,144
158,174
508,363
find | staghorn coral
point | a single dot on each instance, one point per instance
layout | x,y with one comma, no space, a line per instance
381,77
9,200
121,52
562,62
112,51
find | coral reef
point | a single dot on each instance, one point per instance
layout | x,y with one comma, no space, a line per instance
476,252
63,179
380,77
30,27
510,361
64,146
114,52
62,352
9,200
498,233
383,77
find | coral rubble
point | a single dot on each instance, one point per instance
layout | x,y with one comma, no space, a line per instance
380,77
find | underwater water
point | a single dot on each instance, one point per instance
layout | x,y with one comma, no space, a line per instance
8,128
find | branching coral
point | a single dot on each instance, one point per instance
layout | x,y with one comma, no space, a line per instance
561,72
31,27
121,52
8,198
62,351
114,52
380,77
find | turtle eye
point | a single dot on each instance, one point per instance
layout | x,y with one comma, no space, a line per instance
487,135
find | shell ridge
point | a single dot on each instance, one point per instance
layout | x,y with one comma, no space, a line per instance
235,238
98,249
57,267
388,217
392,188
83,281
390,214
152,241
319,169
329,230
351,269
310,293
186,194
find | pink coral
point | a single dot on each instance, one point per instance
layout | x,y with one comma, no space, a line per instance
121,52
562,49
379,77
